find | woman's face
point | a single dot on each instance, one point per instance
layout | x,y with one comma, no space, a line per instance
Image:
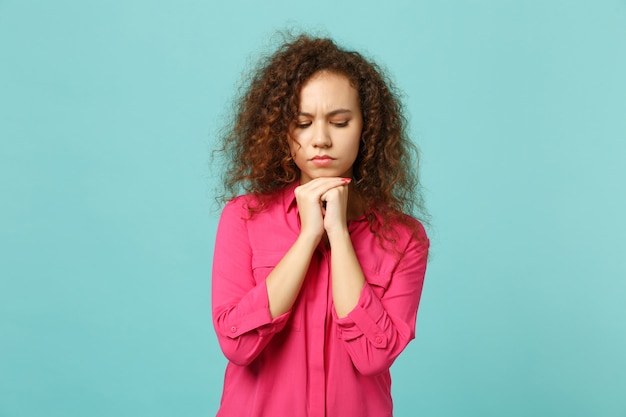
327,132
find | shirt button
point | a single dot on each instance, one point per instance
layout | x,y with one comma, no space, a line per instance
233,329
379,340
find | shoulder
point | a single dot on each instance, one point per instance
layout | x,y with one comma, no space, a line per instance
247,206
416,229
237,206
401,229
241,202
411,245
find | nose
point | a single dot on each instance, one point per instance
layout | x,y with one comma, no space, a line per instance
322,136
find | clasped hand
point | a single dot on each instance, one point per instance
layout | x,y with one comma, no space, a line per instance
323,203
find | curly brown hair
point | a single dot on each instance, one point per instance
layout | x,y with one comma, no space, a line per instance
256,142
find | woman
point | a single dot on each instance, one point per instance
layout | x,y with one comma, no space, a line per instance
317,269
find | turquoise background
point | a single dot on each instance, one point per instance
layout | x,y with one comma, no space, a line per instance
108,113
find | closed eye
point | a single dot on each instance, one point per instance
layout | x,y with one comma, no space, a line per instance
341,124
303,125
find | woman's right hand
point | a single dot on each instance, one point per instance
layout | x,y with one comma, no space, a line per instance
310,205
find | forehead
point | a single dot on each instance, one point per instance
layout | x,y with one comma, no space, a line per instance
328,89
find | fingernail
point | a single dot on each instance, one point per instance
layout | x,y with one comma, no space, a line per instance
346,180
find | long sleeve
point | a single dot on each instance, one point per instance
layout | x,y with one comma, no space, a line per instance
381,325
241,315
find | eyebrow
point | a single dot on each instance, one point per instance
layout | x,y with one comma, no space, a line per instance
332,113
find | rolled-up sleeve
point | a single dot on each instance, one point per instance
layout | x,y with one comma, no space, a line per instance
241,315
377,330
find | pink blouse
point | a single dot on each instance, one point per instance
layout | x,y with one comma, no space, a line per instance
308,362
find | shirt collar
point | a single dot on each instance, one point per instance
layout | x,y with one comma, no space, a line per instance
289,197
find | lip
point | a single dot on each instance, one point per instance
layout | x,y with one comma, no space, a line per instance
322,160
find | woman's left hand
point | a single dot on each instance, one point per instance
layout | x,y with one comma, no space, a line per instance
335,215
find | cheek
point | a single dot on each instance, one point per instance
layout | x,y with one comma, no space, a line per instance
294,145
355,141
296,153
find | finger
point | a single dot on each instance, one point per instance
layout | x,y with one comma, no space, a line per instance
321,186
327,182
334,192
